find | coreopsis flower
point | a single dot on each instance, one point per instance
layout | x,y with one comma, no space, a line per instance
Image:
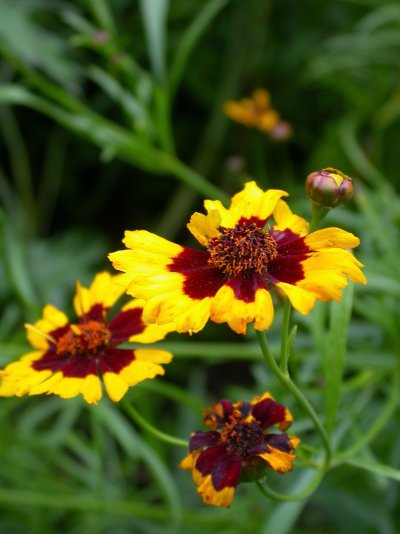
70,358
257,112
239,447
246,254
329,187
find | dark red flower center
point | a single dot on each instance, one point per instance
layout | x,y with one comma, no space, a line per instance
242,248
242,436
89,339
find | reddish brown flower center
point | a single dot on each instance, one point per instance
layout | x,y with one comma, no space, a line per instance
88,339
242,248
241,436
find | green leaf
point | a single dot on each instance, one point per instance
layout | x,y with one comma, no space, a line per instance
334,354
26,39
130,105
114,140
135,447
154,15
13,250
102,14
284,515
190,39
374,467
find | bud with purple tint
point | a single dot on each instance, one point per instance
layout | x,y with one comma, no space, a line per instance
329,188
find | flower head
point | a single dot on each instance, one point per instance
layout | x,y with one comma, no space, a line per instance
239,447
69,358
329,188
257,112
245,256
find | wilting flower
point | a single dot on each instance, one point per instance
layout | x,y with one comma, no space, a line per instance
230,280
329,187
239,447
257,112
69,358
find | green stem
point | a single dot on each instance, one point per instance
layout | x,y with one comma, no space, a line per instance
318,213
285,338
20,499
163,117
268,492
375,428
285,380
172,440
193,179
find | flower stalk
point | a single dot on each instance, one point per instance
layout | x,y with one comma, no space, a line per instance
166,438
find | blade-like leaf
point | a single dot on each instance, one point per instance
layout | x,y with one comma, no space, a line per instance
154,15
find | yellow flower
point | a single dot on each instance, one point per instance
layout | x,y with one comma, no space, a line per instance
230,280
239,447
256,112
69,359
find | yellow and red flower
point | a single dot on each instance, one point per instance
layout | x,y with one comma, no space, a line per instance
69,358
245,255
257,112
239,447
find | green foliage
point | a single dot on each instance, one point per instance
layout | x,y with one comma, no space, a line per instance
111,118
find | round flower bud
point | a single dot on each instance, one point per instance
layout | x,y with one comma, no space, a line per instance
329,188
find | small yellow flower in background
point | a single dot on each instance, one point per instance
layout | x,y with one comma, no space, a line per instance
69,358
230,280
256,112
239,447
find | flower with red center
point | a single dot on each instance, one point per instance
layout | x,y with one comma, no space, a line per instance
239,447
69,358
245,256
257,112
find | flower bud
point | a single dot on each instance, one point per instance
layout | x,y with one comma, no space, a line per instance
329,188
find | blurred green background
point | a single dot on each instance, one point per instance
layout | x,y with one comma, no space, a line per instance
111,119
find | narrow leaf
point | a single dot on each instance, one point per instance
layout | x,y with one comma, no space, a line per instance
154,14
334,354
190,39
376,468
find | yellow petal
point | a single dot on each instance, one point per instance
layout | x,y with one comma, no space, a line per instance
91,389
141,239
284,218
211,496
331,237
226,307
115,386
261,98
189,315
52,319
153,355
278,460
224,214
301,299
151,332
205,227
105,290
254,202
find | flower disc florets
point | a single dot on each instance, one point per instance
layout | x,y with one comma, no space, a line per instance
246,247
88,339
242,436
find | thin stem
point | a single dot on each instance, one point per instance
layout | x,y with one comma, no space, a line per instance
193,179
375,428
290,386
318,213
163,117
285,338
268,492
172,440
